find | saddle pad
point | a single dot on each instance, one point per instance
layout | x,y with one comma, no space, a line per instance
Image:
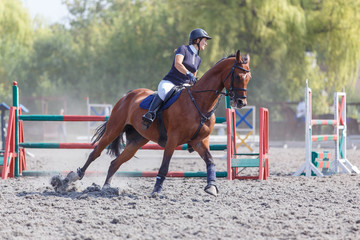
145,104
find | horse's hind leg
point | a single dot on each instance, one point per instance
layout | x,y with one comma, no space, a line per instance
129,151
164,168
126,155
204,151
106,138
79,174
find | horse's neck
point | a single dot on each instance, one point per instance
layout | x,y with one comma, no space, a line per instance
212,80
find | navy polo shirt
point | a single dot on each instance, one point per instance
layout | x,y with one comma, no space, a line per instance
191,61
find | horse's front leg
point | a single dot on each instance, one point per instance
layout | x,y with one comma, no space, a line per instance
204,151
164,169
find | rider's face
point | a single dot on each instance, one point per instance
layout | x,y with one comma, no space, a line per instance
203,43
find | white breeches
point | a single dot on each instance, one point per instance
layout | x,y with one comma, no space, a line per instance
164,87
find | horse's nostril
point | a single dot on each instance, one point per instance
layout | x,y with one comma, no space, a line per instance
240,102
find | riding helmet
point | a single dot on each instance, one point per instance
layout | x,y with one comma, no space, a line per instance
198,33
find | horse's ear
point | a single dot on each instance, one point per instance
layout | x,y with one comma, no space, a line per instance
247,59
238,56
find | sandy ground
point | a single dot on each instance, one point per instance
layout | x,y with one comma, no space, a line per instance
283,207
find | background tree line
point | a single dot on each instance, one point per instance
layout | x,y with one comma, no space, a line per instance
113,46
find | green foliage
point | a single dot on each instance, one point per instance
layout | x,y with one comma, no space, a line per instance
113,46
51,65
15,42
333,36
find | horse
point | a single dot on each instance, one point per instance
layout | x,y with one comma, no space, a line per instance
189,120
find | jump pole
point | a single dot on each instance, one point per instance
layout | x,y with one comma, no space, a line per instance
339,137
82,118
178,174
214,147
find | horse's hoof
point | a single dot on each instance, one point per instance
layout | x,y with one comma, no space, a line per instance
72,177
106,186
80,173
155,194
212,190
157,191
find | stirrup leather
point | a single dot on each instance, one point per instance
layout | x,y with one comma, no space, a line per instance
150,116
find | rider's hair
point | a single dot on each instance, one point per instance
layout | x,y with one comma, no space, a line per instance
194,40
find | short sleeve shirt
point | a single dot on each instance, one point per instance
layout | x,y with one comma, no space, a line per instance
191,61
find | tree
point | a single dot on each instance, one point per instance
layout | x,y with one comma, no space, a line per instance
333,28
113,46
15,42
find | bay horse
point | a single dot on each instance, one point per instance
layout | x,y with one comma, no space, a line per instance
189,120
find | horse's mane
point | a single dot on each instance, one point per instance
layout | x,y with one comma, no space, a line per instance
244,58
231,55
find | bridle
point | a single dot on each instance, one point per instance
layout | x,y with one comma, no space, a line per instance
232,91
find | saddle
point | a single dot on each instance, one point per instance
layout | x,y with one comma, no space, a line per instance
170,98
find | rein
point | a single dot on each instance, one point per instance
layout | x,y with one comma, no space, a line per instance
204,117
231,94
232,90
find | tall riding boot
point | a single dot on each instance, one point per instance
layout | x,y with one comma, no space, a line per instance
150,116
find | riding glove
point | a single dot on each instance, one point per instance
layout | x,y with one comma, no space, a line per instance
191,77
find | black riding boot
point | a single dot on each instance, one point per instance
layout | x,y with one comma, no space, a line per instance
150,116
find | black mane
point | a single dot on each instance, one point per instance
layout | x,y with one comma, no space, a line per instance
231,55
244,58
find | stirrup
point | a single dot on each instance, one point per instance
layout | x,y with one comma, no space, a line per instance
147,121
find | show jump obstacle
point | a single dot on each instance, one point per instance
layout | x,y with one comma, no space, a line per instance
236,162
319,163
14,162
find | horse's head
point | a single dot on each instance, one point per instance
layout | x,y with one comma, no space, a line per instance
240,76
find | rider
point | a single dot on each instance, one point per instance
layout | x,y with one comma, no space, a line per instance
184,68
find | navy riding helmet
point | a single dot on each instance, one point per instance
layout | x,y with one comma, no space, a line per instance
197,33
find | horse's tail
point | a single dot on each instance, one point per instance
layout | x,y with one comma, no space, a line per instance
114,148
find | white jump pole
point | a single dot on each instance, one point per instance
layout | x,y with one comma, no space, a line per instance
308,166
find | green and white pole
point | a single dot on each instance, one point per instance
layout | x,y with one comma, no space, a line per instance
16,104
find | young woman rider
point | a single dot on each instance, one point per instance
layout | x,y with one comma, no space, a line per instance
183,70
